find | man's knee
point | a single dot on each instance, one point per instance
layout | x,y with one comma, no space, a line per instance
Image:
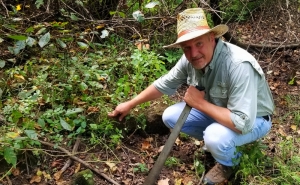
172,113
216,137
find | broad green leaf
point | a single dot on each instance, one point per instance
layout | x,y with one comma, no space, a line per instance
65,125
44,40
73,111
122,14
30,41
16,115
18,37
10,156
93,126
112,12
31,134
1,40
41,122
74,17
82,45
29,30
152,4
42,30
2,63
61,43
83,86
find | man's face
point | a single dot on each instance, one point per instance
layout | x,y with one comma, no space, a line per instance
199,51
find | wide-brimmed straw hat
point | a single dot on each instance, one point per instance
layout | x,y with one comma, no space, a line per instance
192,23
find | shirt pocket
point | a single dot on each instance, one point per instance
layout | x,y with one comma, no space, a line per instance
219,94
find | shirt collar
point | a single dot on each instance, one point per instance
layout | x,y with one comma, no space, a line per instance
216,54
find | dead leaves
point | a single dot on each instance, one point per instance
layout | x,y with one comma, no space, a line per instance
39,175
163,182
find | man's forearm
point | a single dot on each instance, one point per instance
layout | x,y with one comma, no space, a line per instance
220,114
150,93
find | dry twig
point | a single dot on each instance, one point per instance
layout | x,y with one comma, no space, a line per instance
4,8
80,161
68,163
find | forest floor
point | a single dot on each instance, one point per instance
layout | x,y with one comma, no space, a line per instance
124,164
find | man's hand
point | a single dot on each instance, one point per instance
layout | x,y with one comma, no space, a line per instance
121,110
193,97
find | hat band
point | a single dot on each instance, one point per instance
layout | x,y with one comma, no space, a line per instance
192,30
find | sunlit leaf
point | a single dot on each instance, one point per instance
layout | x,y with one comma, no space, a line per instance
1,40
105,33
73,111
44,39
294,127
152,4
42,30
65,125
82,45
100,26
10,156
2,63
178,181
138,15
122,14
29,30
12,134
17,37
61,43
31,134
18,76
30,41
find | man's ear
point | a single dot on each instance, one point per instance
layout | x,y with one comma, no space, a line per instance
211,36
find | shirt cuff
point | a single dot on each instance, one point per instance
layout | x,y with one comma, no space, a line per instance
241,122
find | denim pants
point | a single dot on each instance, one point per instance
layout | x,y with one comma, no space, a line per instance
219,140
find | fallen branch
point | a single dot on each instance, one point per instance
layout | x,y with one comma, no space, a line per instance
81,161
255,47
58,174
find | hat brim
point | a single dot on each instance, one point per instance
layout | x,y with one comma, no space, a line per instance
218,30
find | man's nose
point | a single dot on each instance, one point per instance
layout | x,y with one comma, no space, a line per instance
194,52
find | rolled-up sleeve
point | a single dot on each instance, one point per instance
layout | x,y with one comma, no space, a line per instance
242,95
169,83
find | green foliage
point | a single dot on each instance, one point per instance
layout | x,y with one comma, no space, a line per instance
172,162
145,66
287,162
198,165
238,10
253,161
140,167
39,3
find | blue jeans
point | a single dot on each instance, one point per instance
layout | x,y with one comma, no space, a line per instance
219,140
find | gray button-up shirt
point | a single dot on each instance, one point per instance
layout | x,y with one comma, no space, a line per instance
233,79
